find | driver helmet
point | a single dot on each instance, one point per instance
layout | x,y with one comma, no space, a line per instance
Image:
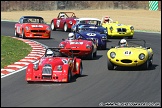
50,53
123,43
106,19
71,36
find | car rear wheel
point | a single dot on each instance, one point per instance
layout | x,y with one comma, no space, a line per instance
151,61
23,34
110,66
65,27
16,34
52,26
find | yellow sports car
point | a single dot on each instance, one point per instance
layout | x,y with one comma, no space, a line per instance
115,29
131,55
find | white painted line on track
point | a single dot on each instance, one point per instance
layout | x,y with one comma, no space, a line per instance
17,66
9,70
26,63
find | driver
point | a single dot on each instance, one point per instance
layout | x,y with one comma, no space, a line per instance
107,19
71,36
50,53
123,43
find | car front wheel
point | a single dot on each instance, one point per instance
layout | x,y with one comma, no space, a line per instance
52,26
23,34
110,66
16,34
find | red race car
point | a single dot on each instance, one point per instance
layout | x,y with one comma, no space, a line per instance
80,47
54,68
32,27
64,21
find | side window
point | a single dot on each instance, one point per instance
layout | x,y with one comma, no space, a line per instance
21,20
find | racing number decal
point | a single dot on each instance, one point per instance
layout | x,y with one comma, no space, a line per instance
127,52
58,23
119,24
91,34
76,42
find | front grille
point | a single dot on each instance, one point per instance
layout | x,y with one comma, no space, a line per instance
126,61
37,34
38,31
75,51
121,30
47,70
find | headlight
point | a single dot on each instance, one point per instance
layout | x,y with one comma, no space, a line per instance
105,31
132,28
111,28
35,66
112,54
27,28
48,29
61,45
104,38
88,46
70,22
141,56
59,68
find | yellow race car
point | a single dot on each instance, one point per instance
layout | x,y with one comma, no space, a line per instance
131,55
115,29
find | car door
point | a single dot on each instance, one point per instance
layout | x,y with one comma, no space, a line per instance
19,26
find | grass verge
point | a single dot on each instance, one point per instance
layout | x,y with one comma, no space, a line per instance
13,50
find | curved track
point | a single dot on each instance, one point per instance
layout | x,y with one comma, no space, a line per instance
97,85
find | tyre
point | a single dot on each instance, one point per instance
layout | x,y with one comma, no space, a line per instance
95,54
110,66
69,75
30,82
53,26
16,34
81,70
151,61
130,37
65,27
90,56
23,34
104,47
146,65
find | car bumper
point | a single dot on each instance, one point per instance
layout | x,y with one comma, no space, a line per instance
37,35
127,63
76,52
49,78
121,34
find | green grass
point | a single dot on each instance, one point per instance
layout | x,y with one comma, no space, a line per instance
13,50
